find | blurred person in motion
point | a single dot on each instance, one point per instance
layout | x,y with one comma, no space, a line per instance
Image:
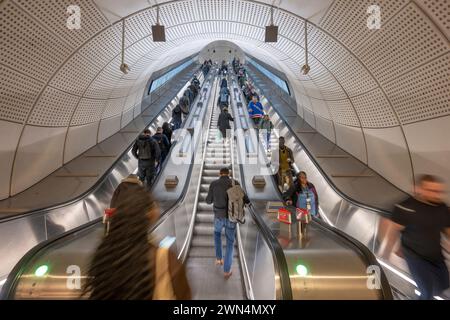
147,151
224,123
129,266
421,220
303,195
224,98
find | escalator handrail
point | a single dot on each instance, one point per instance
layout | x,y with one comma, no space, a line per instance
347,198
363,250
94,187
277,251
11,283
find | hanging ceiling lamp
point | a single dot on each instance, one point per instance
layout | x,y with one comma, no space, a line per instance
306,68
123,66
272,30
158,31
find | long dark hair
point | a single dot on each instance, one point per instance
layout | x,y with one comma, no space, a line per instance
123,267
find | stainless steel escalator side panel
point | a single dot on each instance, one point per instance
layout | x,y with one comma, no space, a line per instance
77,248
336,268
358,222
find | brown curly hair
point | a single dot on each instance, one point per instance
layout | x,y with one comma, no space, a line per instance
123,266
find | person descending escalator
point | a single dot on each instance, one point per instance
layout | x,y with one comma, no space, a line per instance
194,91
185,105
224,83
147,151
168,132
163,144
303,195
224,98
177,117
224,123
218,196
127,265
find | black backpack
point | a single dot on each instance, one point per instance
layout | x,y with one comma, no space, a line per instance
145,149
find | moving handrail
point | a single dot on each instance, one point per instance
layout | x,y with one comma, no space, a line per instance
9,289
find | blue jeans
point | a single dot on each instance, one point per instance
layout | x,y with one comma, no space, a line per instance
431,278
230,234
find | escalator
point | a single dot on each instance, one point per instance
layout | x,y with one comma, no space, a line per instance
335,265
187,224
204,276
21,233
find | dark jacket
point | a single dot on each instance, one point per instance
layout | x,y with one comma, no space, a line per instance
163,142
126,188
290,154
224,121
176,114
296,189
217,195
145,148
224,83
168,133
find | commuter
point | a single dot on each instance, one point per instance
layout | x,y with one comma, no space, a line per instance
196,83
224,122
185,105
266,126
288,183
303,195
285,159
224,83
194,91
147,151
163,144
217,195
190,95
256,111
127,266
224,98
421,219
223,68
177,119
205,69
167,130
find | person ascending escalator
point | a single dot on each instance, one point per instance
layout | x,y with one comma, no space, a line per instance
177,117
303,195
163,144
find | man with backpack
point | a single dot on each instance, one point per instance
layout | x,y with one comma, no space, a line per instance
224,98
147,151
228,201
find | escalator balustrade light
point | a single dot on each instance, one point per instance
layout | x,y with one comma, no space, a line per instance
301,270
41,271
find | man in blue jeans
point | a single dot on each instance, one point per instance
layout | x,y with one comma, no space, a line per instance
217,195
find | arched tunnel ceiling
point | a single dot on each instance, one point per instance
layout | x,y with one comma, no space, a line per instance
360,78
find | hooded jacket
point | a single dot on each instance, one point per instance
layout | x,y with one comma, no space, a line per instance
146,148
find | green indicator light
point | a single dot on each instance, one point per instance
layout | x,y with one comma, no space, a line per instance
41,271
301,270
